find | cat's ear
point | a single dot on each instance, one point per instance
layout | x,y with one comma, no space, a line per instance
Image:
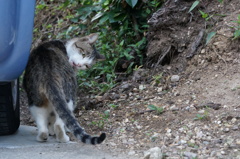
92,38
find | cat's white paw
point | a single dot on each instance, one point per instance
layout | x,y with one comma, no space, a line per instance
51,130
61,134
42,136
63,139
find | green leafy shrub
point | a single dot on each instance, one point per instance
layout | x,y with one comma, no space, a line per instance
121,24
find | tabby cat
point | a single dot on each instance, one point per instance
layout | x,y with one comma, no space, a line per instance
50,83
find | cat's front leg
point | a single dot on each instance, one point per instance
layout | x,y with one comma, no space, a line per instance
40,114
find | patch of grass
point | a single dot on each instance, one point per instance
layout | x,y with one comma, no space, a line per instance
203,116
157,79
193,145
114,106
103,119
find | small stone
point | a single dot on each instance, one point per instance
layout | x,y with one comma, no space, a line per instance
223,152
99,98
203,51
238,141
141,87
173,108
199,135
175,78
233,120
182,142
135,90
169,130
138,126
112,144
205,142
201,111
123,96
176,93
190,154
125,86
159,89
226,130
213,153
131,153
153,153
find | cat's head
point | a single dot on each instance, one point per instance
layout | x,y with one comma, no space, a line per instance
82,53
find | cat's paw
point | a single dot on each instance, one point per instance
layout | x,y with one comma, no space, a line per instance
63,139
61,134
42,137
51,131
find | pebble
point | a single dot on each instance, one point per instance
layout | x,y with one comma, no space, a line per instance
201,111
190,154
226,130
125,86
238,141
235,127
173,108
141,87
205,142
233,120
169,130
223,152
153,153
131,153
182,142
175,78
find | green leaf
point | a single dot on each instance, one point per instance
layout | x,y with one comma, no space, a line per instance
103,19
204,15
152,107
193,6
236,34
132,3
209,36
121,43
98,15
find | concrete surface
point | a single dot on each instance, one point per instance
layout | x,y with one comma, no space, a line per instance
23,145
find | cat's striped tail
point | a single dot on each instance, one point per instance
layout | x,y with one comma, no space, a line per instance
58,100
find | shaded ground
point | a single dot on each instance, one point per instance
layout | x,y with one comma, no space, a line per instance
201,111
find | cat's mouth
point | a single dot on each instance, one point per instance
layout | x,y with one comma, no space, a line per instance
80,67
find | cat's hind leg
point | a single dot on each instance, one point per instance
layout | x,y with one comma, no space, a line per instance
60,130
51,121
40,114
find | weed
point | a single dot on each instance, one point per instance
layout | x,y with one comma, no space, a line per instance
159,110
210,36
235,88
193,145
203,116
237,28
157,79
114,106
103,119
194,5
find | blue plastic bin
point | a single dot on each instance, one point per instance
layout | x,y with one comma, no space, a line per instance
16,17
